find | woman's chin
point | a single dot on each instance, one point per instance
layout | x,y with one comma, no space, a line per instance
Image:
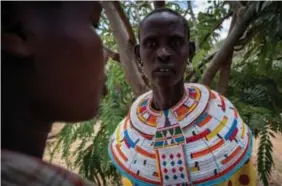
164,83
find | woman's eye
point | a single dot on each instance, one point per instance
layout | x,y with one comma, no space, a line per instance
176,42
150,43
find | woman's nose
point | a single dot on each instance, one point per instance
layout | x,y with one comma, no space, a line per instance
163,55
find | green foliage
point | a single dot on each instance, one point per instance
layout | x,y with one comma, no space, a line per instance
265,160
210,23
116,104
254,85
255,92
105,32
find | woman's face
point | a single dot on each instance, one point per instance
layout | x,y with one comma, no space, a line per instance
163,48
67,55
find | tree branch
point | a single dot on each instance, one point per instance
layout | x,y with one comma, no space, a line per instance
194,20
228,45
187,10
125,40
125,21
216,26
235,6
226,67
248,36
242,43
111,54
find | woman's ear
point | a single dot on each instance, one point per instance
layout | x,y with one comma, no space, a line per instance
15,45
192,49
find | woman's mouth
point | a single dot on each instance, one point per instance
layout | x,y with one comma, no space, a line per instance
164,72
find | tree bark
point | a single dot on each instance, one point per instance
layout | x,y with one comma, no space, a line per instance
121,15
226,67
125,39
109,53
221,57
194,20
224,75
159,4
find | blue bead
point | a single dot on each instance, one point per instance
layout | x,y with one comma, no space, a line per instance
179,162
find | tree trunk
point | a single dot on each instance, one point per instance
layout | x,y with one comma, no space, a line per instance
125,39
224,75
226,67
228,46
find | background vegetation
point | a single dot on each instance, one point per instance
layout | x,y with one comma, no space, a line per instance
246,67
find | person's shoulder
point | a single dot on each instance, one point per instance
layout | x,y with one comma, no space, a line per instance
141,97
216,104
22,168
214,96
221,99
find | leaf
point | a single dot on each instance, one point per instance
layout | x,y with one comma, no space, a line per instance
258,6
265,4
265,160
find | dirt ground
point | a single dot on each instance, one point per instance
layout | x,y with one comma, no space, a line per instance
276,177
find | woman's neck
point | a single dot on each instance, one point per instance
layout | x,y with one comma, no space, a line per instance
25,134
167,97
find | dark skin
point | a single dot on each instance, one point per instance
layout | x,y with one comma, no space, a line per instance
54,71
164,51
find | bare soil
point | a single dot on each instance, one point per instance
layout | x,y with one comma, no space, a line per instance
276,177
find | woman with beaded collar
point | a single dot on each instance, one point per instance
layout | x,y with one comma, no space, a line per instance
179,134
